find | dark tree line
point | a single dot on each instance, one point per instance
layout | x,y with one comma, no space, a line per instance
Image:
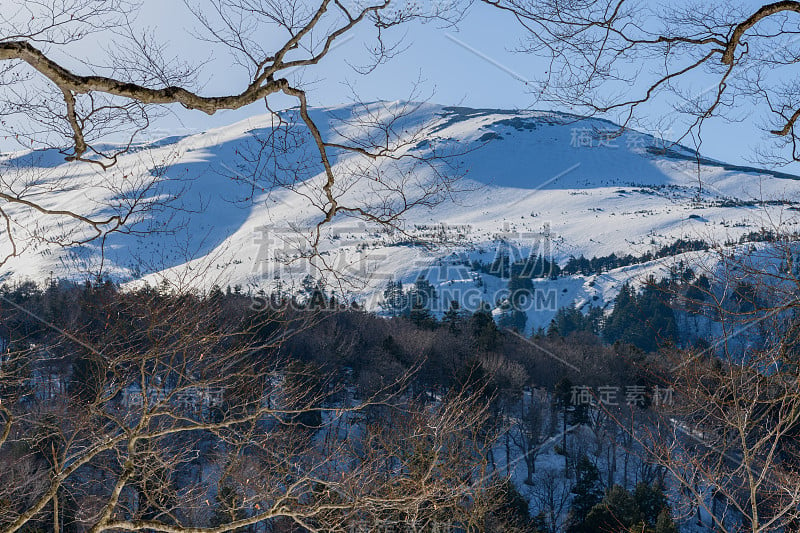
597,265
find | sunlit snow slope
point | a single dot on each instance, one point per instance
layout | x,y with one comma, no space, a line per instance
534,181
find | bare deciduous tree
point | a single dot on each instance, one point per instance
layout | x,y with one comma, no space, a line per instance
528,433
175,413
702,60
56,93
729,440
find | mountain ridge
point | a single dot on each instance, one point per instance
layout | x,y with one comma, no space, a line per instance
533,179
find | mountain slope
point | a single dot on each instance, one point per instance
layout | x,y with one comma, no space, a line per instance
542,182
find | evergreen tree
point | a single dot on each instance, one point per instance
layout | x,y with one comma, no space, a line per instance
517,320
579,265
569,320
573,412
394,300
453,317
651,501
484,329
665,523
622,316
215,294
646,510
645,321
420,299
616,513
500,267
659,326
588,493
520,286
420,315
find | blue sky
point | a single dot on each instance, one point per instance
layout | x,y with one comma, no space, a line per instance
473,65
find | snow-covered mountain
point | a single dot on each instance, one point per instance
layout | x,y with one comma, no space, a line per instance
541,183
